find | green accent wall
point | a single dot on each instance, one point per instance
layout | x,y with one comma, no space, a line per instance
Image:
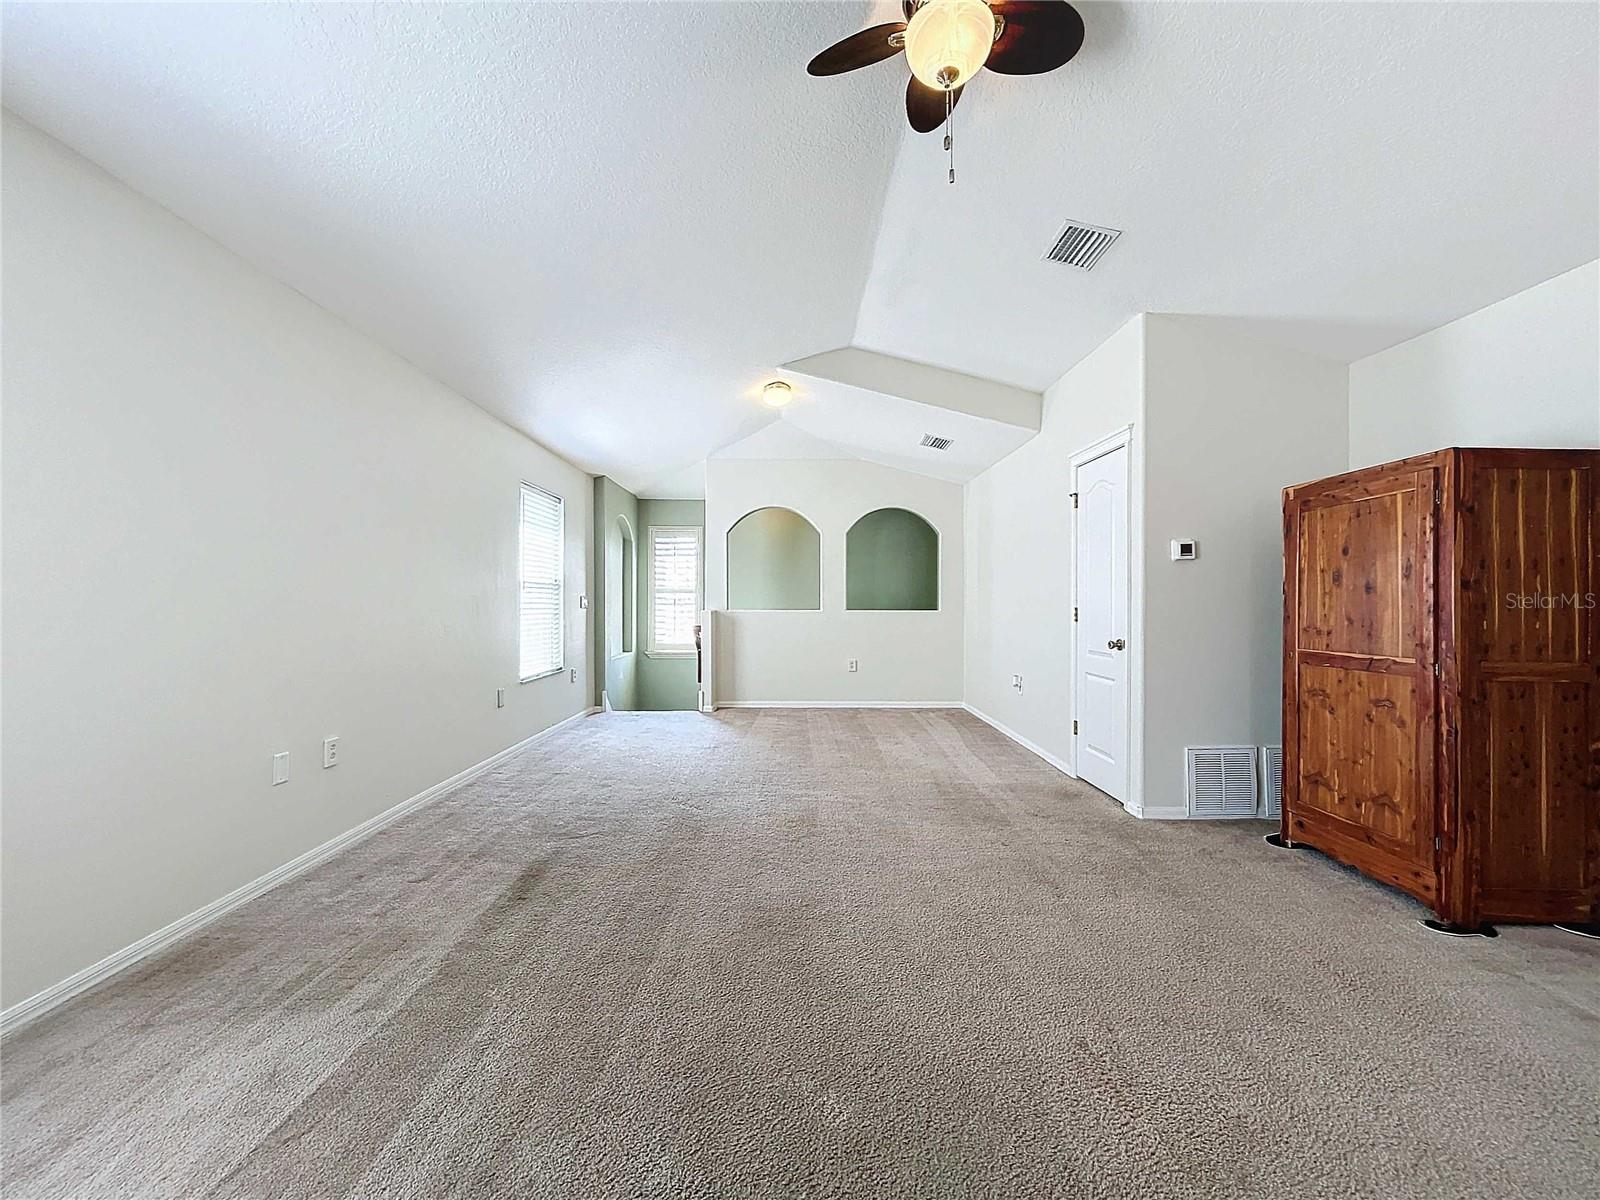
618,673
666,684
891,562
774,561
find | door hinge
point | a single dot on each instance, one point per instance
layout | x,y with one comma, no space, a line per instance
1436,670
1438,496
1074,612
1438,843
1074,729
1074,499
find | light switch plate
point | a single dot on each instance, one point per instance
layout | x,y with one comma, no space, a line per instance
280,768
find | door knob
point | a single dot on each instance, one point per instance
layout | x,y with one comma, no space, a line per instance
1116,644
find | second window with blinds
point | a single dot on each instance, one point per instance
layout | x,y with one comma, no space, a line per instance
542,553
674,566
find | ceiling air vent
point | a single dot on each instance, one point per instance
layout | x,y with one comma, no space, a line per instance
1222,781
935,443
1081,245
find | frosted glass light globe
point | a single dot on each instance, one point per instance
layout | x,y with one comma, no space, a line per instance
947,41
776,394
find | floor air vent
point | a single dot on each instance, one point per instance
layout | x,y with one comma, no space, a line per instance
1272,781
935,443
1081,245
1222,781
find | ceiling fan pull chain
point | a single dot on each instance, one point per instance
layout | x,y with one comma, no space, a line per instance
949,130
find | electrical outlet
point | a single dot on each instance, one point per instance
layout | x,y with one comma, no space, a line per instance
330,752
280,768
854,666
499,697
574,674
583,602
1016,683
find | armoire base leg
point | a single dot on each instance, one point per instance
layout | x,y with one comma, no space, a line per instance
1276,839
1451,929
1588,929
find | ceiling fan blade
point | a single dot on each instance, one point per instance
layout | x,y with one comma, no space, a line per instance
858,50
1039,36
925,105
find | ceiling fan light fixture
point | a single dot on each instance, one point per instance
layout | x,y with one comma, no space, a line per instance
948,41
776,394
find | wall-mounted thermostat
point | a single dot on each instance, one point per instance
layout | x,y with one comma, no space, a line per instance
1183,548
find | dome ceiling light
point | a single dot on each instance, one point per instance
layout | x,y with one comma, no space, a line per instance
776,394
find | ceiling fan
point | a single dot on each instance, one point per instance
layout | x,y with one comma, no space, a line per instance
947,42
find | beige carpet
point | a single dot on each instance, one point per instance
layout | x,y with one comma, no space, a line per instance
813,954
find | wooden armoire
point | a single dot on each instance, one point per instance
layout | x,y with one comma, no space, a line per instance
1441,689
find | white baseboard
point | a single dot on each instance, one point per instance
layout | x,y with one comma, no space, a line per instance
839,704
1178,812
1170,813
1032,747
36,1006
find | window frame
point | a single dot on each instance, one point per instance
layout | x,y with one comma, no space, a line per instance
651,649
560,580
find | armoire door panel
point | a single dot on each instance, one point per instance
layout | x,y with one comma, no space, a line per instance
1357,562
1359,758
1534,812
1529,549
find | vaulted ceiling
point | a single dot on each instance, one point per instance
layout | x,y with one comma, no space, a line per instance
608,224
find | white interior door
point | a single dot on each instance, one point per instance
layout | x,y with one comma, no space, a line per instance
1101,584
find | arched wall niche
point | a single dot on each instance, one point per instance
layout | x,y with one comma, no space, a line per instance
891,563
774,558
622,584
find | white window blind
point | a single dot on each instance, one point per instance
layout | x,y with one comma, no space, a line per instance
674,588
542,551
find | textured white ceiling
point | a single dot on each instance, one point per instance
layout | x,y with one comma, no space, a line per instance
1337,176
783,440
605,223
608,224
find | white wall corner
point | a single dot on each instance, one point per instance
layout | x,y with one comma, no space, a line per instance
1034,748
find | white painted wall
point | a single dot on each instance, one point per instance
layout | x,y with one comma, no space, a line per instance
1221,424
905,657
1019,546
233,526
1523,372
1229,422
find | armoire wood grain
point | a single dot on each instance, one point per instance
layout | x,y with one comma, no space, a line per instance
1441,684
